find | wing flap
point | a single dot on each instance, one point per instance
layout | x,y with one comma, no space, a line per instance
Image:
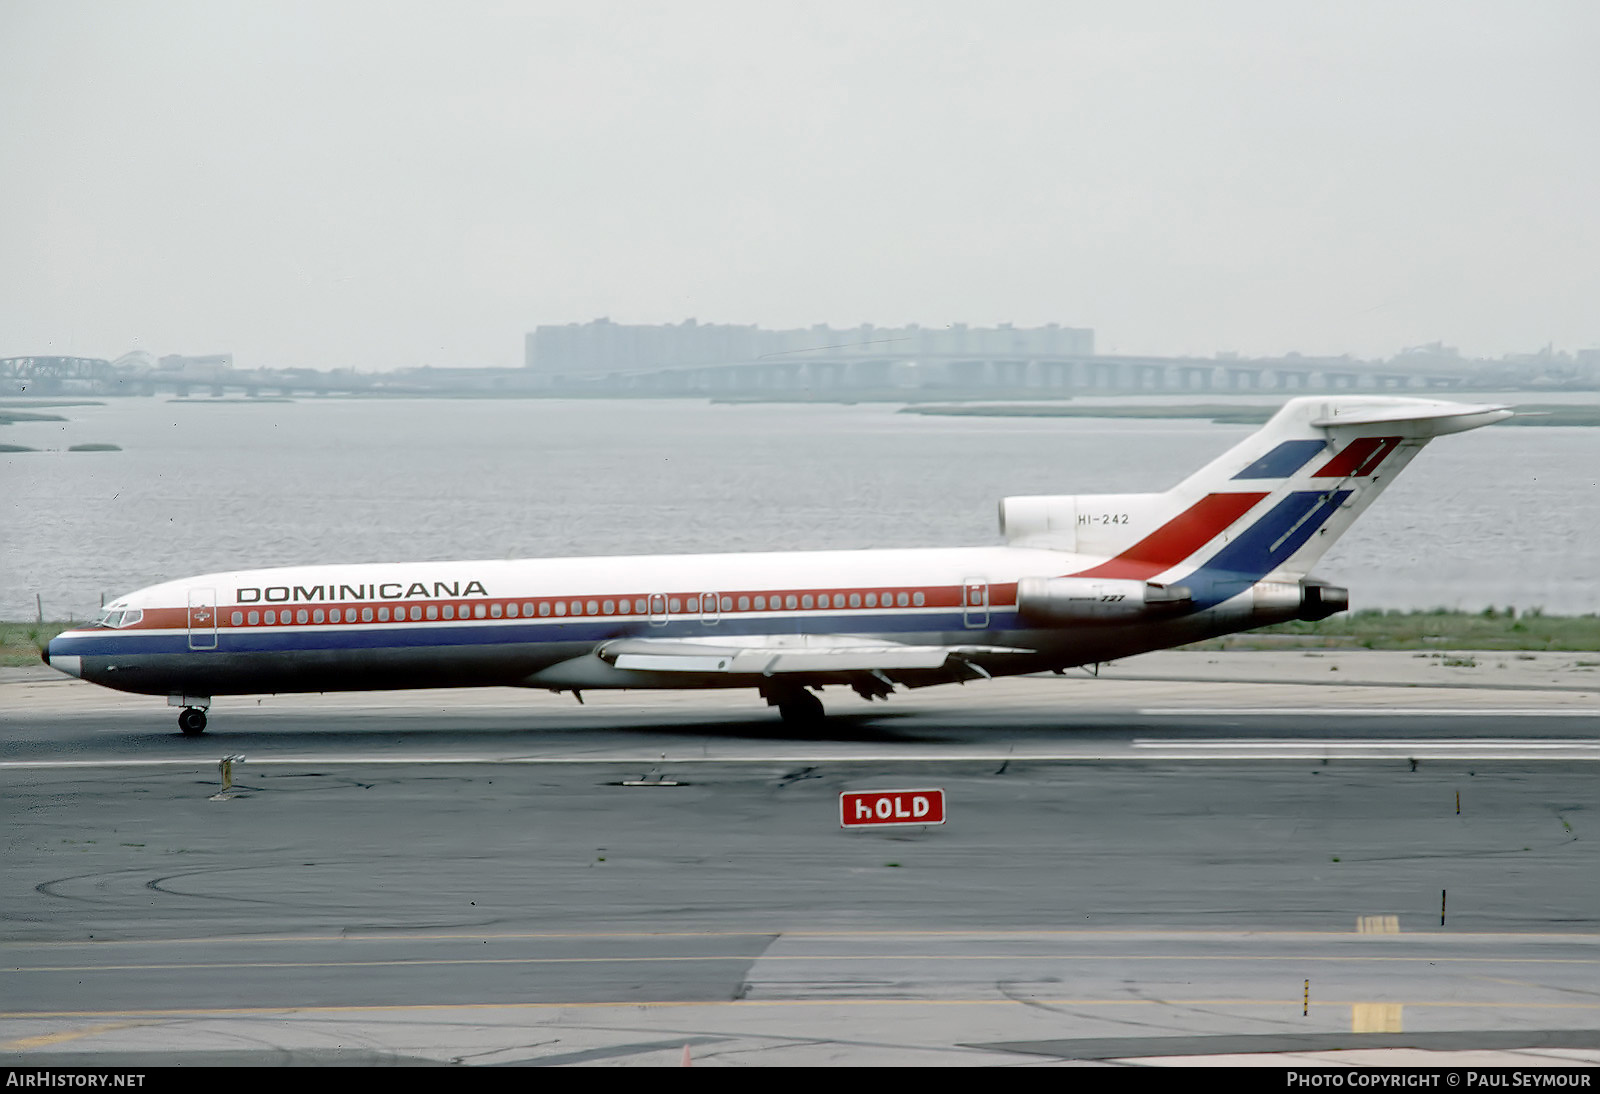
771,655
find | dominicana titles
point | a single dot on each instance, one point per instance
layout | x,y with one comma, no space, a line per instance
392,590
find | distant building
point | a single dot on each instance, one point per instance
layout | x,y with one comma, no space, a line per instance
602,346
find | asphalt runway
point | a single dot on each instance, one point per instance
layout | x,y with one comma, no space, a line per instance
1133,869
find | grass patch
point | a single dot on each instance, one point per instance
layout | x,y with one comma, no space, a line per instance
20,643
1555,414
7,417
1226,415
1493,629
1532,414
95,448
16,448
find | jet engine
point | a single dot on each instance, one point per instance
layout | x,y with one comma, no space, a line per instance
1058,600
1086,600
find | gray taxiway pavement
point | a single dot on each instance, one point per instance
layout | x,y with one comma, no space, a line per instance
1161,862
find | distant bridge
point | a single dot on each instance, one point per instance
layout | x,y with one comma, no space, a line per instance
52,371
1075,374
964,373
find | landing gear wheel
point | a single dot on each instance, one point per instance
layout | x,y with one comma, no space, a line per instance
801,710
192,721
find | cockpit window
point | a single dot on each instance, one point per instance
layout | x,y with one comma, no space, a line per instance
118,617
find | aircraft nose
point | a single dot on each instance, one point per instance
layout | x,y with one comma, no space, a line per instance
60,660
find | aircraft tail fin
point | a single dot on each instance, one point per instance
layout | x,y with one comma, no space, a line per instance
1267,509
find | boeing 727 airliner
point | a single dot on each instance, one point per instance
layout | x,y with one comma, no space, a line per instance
1080,579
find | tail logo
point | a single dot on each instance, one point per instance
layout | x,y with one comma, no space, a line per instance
1359,458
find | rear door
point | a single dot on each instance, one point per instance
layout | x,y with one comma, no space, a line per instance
975,602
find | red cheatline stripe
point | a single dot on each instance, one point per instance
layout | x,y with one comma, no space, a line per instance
1360,457
1177,539
1000,595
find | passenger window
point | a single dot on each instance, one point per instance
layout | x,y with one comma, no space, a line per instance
416,611
638,606
805,601
317,616
855,600
479,611
383,615
744,603
674,605
495,610
903,599
366,615
561,607
918,599
238,618
272,617
872,600
527,608
433,611
335,615
761,603
449,611
577,607
593,607
727,603
301,616
822,601
544,607
255,617
790,601
511,611
609,607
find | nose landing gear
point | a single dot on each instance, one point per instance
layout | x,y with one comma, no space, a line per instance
192,720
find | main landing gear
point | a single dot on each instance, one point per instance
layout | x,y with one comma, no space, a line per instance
192,721
798,708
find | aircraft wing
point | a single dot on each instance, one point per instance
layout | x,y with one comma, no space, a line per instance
776,654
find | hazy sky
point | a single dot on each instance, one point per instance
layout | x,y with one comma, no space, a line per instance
379,185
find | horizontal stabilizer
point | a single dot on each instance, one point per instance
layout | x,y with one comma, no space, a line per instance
1429,419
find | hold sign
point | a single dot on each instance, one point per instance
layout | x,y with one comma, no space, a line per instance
884,808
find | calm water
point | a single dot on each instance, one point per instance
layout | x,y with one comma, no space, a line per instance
1499,516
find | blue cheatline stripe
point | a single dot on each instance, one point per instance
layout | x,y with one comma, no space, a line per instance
400,635
1264,546
1283,461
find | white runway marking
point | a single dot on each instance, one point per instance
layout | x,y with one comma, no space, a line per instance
1359,750
1532,746
1378,712
1142,748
